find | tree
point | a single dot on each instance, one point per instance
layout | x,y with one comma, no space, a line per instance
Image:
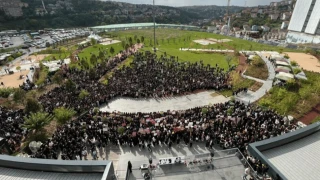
70,85
84,93
229,59
123,44
93,41
112,49
47,44
250,22
93,59
127,46
32,106
18,68
130,41
101,55
138,41
135,37
19,95
63,115
37,121
58,77
142,39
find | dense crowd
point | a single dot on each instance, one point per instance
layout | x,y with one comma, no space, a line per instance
10,126
147,76
228,125
163,77
83,80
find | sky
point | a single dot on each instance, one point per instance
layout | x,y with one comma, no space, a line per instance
200,2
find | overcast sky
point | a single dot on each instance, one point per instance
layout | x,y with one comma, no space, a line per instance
200,2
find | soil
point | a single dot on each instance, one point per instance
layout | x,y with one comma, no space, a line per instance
13,80
242,64
307,118
306,61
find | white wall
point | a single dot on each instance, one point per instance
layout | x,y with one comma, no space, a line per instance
296,37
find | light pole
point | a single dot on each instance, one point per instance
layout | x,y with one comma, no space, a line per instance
154,29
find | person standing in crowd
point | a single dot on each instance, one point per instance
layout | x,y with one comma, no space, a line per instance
130,166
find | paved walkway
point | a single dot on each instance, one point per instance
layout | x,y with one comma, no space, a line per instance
267,85
207,50
171,103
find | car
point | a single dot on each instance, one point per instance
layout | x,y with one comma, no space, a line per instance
11,43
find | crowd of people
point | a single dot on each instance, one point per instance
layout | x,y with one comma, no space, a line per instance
10,127
147,76
228,125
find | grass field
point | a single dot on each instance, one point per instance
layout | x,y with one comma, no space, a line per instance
295,102
86,53
176,39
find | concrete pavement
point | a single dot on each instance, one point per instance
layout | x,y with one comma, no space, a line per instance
267,85
164,104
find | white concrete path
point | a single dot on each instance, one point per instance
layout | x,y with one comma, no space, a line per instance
267,85
171,103
207,50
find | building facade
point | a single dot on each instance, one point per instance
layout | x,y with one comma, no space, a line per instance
304,26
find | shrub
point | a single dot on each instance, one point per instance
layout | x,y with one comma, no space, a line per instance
258,62
5,92
204,110
121,130
19,95
296,70
32,105
83,94
294,63
63,115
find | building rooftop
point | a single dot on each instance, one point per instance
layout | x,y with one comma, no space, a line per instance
293,156
299,159
14,174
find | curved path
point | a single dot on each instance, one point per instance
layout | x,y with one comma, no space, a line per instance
170,103
267,84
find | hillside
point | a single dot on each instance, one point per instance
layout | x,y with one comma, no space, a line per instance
211,12
84,13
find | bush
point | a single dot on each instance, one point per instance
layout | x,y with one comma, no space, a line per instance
58,77
294,63
204,110
63,115
5,92
121,130
83,94
258,62
296,70
19,95
32,105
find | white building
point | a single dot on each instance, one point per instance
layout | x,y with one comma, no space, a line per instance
304,26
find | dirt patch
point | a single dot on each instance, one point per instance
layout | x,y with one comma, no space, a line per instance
13,80
204,41
307,119
242,64
256,86
214,94
306,61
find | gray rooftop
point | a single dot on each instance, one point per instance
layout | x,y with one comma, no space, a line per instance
299,159
17,174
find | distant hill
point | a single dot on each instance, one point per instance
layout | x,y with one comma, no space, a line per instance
211,12
84,13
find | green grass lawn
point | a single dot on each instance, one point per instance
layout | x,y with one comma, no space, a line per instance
295,102
177,37
57,56
86,53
